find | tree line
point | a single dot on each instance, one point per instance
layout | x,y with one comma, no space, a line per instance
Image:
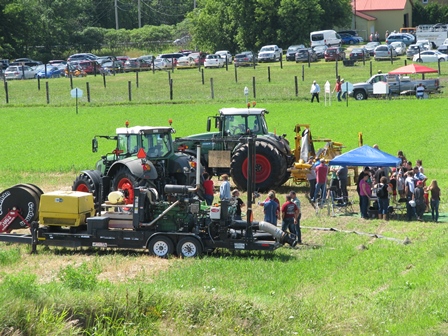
45,29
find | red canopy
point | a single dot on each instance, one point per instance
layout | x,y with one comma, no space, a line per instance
412,69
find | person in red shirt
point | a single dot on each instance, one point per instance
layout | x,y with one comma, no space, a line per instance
321,181
290,212
209,188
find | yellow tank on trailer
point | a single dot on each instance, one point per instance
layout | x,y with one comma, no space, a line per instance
66,208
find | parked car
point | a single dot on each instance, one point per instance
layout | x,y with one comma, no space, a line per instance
145,59
245,58
50,72
384,51
305,54
90,66
399,47
4,63
430,56
334,54
214,61
19,72
81,56
186,62
122,58
132,64
57,62
199,58
291,52
407,39
349,39
103,59
172,57
443,49
414,49
320,51
112,66
370,47
359,54
226,55
25,61
162,64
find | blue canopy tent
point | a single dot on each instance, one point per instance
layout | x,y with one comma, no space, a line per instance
366,156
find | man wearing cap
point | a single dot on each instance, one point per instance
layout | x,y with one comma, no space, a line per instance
315,89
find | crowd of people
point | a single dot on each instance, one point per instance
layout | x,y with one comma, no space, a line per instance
406,184
378,188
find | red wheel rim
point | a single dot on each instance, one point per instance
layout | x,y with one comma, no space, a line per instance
126,185
262,168
83,188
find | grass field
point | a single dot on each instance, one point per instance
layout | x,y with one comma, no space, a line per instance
336,284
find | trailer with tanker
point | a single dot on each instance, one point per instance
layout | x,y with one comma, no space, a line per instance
181,224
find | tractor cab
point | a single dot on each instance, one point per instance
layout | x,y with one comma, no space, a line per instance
237,121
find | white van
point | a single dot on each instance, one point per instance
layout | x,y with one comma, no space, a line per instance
325,37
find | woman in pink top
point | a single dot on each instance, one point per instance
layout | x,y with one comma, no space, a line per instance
364,196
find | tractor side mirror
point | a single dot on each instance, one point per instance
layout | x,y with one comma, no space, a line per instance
209,124
94,145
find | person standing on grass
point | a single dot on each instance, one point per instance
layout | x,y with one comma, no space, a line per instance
311,176
290,212
342,174
338,89
321,181
365,192
270,208
209,188
296,201
409,188
224,189
315,89
435,200
420,205
239,203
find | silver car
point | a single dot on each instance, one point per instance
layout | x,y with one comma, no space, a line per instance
19,72
384,51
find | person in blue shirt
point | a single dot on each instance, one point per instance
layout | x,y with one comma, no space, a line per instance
224,189
270,209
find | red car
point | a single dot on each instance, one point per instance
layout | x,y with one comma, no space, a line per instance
334,54
90,67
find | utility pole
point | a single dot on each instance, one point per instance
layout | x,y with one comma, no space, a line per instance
139,14
116,14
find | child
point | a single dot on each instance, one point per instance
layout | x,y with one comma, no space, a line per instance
239,204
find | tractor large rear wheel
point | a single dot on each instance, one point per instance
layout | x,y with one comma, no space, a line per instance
89,183
125,181
270,167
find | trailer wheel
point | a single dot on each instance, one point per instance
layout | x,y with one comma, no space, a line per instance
124,180
161,246
189,247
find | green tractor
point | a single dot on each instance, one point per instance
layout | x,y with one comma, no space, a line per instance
225,151
143,156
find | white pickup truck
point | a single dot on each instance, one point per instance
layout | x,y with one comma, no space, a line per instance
396,85
270,53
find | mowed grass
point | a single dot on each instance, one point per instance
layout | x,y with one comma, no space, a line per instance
336,284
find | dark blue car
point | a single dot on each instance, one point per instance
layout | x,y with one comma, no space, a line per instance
52,72
349,39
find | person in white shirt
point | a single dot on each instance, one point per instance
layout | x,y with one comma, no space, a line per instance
315,89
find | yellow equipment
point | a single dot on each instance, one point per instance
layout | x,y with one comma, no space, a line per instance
304,149
66,208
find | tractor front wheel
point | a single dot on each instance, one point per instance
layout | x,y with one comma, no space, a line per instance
125,181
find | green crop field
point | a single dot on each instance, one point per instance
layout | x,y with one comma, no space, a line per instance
337,283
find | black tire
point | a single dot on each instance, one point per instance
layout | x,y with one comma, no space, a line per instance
419,60
189,247
124,180
270,167
161,246
360,95
85,183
